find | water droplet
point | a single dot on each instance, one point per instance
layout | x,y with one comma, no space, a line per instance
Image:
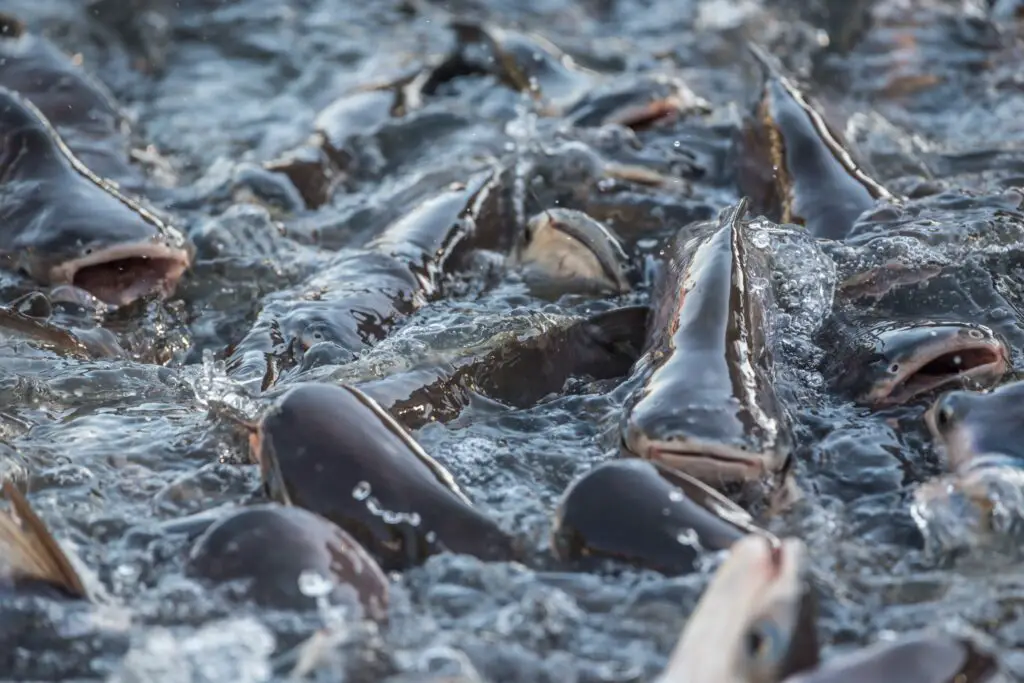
688,537
314,584
361,490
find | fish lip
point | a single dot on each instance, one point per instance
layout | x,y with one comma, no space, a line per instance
174,262
711,463
896,392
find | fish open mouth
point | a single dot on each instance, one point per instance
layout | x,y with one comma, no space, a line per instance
122,274
714,464
982,363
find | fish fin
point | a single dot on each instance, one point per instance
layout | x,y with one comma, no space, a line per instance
31,550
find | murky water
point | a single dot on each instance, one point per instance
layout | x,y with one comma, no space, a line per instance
932,94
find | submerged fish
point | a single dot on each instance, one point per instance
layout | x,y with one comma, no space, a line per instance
334,451
78,106
365,293
31,560
280,551
707,405
794,167
895,363
567,251
755,621
65,225
87,343
519,373
918,658
672,521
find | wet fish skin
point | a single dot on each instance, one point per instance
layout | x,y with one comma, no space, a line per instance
65,225
707,405
32,560
755,621
976,428
673,519
79,106
519,373
794,167
568,251
273,545
917,658
894,363
365,293
333,451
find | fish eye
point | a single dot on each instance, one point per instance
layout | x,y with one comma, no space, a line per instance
766,643
944,416
894,368
975,334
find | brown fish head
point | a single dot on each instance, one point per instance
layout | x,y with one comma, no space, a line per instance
975,428
312,557
66,226
570,250
910,360
755,621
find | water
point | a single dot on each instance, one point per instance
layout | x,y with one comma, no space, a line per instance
931,92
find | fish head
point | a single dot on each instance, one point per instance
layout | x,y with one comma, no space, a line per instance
66,226
717,444
975,427
755,621
567,245
911,360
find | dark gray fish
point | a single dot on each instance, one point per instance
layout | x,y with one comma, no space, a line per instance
894,363
673,519
919,658
278,549
519,373
334,451
755,622
567,251
794,167
79,107
31,560
707,405
978,429
637,102
365,293
65,225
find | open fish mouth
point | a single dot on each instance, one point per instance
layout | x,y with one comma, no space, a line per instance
714,464
122,274
982,363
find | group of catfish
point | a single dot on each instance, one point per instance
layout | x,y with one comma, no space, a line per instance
706,442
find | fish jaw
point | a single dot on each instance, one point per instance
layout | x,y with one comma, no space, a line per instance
713,462
969,356
120,274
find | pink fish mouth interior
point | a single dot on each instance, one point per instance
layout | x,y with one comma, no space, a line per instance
122,274
981,362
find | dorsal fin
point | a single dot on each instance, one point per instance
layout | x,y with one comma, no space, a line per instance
31,550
